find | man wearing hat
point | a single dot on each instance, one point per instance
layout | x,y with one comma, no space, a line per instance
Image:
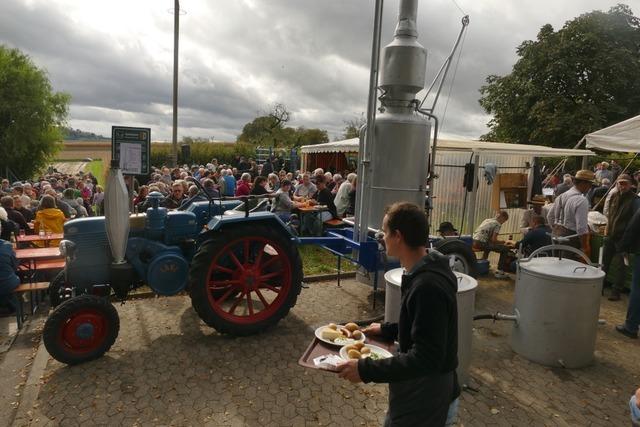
622,206
570,210
446,229
536,202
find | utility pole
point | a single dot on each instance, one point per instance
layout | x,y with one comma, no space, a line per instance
176,35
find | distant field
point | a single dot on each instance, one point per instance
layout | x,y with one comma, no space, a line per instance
72,167
97,169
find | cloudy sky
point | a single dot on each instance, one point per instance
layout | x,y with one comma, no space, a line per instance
239,56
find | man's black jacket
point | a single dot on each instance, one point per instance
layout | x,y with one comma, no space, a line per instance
422,374
630,242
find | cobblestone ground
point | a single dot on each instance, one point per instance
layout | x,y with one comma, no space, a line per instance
513,391
168,368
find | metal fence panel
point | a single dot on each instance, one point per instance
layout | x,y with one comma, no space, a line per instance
451,201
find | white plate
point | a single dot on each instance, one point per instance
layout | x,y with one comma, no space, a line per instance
384,354
346,341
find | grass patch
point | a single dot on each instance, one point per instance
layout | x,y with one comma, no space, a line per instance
320,261
97,169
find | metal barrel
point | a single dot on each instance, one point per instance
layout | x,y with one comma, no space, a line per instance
557,304
466,300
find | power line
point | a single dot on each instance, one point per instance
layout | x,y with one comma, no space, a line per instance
459,8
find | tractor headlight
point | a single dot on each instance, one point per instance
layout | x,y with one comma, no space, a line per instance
67,248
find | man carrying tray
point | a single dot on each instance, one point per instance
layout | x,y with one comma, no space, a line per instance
422,378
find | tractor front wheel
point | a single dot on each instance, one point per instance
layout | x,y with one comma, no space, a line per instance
245,279
81,329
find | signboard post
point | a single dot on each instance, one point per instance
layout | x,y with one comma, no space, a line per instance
132,148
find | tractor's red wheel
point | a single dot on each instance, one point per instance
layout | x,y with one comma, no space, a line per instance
81,329
245,279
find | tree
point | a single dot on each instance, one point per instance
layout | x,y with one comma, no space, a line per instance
568,83
31,114
269,130
311,136
352,127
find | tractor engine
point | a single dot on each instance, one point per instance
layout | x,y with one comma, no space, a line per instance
160,246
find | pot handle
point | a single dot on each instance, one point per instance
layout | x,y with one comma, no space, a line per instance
549,248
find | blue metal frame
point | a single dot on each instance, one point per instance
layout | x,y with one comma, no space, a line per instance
340,242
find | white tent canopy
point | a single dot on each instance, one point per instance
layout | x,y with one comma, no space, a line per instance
351,146
623,137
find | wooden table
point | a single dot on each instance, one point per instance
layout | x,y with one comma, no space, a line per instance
30,238
312,209
29,259
38,254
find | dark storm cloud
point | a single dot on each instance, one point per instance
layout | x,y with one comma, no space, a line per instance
237,57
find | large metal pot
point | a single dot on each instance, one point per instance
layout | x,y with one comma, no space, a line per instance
557,304
466,299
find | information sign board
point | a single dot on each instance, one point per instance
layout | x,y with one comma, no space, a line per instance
132,147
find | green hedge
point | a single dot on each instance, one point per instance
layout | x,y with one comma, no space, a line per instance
202,153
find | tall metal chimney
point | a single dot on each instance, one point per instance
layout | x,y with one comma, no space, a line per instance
396,167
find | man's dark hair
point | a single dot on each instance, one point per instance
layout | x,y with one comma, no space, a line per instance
68,193
410,221
284,183
47,202
537,219
6,202
320,179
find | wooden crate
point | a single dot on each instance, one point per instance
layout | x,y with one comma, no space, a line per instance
509,191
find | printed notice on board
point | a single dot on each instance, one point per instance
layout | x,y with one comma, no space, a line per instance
130,158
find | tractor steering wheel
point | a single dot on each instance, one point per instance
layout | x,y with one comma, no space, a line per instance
187,203
190,200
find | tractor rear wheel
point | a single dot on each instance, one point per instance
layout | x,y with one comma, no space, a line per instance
81,329
245,279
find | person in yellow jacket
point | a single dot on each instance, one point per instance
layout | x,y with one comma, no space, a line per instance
48,218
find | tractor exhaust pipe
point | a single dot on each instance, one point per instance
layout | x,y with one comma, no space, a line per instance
116,211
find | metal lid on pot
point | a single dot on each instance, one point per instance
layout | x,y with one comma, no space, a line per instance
465,282
561,268
394,277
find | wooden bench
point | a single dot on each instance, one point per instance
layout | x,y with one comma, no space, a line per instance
34,289
52,264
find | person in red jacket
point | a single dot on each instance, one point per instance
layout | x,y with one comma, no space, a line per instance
244,185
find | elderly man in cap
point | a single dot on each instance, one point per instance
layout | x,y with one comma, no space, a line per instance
623,204
570,211
536,202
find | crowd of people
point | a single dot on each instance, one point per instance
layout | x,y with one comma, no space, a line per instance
45,203
289,190
579,206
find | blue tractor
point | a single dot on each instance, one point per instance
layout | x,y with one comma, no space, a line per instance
243,272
